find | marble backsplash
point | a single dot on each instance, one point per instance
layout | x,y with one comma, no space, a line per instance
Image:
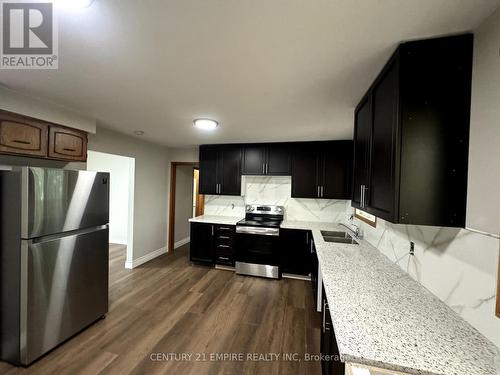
276,190
459,266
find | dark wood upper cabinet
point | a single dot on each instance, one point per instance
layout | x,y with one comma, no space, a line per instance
267,159
254,159
305,171
279,159
220,169
67,144
229,170
362,149
414,126
335,165
208,169
322,170
25,136
22,136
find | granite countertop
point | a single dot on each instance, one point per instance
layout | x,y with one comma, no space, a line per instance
216,219
384,318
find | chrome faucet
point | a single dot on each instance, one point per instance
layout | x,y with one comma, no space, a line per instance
356,229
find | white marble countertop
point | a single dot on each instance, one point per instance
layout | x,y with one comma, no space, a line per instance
216,219
384,318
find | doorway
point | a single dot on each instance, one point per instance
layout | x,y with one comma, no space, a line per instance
121,201
185,202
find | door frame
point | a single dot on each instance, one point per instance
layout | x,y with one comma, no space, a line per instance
171,205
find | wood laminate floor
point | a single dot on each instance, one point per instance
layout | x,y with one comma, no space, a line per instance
169,306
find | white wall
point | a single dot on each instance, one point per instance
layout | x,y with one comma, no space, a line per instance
119,168
17,102
483,203
151,188
189,154
183,202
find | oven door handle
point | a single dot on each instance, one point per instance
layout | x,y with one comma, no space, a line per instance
258,230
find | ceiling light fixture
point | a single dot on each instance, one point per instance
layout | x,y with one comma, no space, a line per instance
138,132
205,124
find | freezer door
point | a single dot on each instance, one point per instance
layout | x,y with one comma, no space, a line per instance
66,289
58,200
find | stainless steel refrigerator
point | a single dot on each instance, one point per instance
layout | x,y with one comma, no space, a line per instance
54,257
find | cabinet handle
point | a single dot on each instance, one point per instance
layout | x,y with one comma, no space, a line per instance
322,187
263,168
212,230
224,258
225,237
267,168
318,192
21,142
69,149
224,228
325,304
225,246
363,196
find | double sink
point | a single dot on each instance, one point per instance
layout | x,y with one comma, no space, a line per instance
338,237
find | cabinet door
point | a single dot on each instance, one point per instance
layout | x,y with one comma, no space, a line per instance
67,144
295,251
336,170
380,194
362,144
305,172
254,159
201,246
208,169
229,170
279,159
19,135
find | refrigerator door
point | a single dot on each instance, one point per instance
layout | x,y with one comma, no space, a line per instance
65,288
58,200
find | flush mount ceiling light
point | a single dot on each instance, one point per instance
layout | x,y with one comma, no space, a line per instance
75,4
138,132
205,124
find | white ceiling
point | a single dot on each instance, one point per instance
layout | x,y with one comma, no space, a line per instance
265,69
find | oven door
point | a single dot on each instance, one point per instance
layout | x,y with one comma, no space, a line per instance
257,245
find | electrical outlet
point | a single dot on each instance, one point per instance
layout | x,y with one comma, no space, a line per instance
412,248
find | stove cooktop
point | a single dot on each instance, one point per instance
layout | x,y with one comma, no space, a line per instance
259,223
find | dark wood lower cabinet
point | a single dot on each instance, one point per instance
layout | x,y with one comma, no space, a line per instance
295,250
212,244
224,245
202,240
330,363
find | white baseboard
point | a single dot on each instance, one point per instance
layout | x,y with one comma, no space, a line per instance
145,258
182,242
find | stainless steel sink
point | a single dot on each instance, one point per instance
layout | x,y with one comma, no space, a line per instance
338,237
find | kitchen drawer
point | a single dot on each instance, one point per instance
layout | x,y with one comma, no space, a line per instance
225,260
224,239
225,230
23,136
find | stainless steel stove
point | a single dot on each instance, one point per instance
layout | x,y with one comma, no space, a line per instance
257,251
